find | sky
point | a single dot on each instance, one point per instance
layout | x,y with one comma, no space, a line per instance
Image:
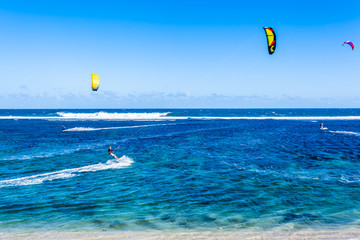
179,54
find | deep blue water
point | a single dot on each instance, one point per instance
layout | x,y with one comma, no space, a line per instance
179,170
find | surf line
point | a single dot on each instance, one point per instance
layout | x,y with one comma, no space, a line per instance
314,118
122,162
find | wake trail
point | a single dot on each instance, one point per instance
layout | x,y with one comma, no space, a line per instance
122,162
345,132
85,129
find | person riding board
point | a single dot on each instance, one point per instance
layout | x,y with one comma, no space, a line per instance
63,128
110,151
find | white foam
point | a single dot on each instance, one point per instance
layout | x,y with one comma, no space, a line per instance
84,129
347,179
122,162
346,132
105,115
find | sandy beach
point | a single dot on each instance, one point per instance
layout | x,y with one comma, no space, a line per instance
209,235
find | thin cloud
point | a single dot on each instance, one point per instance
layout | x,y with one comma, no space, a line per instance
111,99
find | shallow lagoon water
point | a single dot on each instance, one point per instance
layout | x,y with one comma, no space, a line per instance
180,170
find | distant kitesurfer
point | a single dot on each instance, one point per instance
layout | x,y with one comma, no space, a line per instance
321,126
63,128
110,151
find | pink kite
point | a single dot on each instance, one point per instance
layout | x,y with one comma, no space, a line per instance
350,43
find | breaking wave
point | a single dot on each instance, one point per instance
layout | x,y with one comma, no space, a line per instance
166,116
105,115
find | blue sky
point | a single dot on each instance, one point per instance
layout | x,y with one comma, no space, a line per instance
181,54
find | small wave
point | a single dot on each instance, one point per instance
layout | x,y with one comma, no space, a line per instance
293,175
122,162
84,129
347,179
346,132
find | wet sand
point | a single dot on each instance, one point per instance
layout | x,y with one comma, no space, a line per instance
348,234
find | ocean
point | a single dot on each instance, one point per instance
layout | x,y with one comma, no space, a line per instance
179,170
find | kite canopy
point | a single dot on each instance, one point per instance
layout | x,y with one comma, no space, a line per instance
95,82
350,43
271,39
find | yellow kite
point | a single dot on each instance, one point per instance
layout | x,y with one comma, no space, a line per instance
95,82
271,39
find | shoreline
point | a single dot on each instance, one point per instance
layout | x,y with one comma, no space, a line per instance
351,233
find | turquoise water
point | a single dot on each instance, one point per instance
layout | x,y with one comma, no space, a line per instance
179,169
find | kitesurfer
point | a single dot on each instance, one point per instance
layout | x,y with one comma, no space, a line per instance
321,126
63,128
110,151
